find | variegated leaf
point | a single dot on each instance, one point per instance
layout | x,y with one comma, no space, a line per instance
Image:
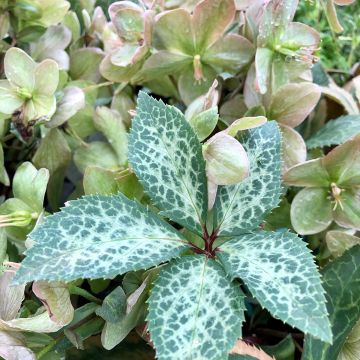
98,236
242,207
195,312
166,156
341,280
280,272
335,132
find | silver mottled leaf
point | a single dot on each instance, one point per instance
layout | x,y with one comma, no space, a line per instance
98,236
166,156
195,312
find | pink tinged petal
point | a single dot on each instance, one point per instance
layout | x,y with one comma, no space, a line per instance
212,191
210,20
163,63
226,160
11,297
343,163
339,241
293,147
311,173
173,32
347,211
292,103
263,61
13,347
229,54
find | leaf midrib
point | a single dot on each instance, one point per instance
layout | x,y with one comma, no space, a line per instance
196,313
180,177
116,240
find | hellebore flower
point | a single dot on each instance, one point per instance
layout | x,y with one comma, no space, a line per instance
332,190
29,87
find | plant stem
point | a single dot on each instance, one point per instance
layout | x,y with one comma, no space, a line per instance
74,290
96,86
48,348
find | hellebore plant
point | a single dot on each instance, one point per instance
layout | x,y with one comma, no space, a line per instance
176,216
332,190
195,309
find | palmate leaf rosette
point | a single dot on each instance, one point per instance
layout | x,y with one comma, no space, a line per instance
196,307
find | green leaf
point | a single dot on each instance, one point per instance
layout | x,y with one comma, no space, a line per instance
98,180
84,64
195,312
115,332
335,132
113,308
111,125
166,156
311,211
97,153
53,154
284,350
98,236
29,185
242,207
280,272
205,122
341,280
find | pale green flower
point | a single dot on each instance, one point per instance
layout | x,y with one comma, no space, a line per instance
29,86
